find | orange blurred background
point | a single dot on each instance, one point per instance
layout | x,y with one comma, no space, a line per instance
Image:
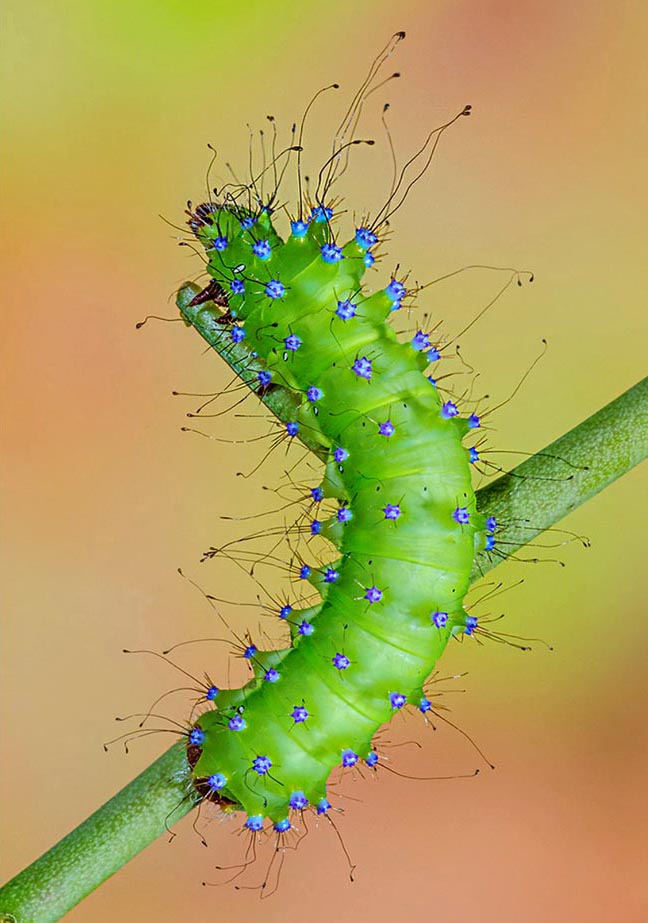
109,107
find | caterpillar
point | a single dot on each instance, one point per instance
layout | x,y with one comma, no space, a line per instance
296,315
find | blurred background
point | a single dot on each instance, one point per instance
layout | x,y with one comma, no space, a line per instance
109,107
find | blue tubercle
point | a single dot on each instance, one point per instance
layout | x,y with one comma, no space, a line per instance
298,228
365,238
331,253
255,823
298,801
341,662
236,723
363,368
261,249
299,714
237,287
275,289
392,511
220,243
396,291
461,515
323,806
349,758
420,341
373,594
292,343
321,214
216,781
262,765
397,700
272,675
439,619
345,310
470,624
449,410
196,737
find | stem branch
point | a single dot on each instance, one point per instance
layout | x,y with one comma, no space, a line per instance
98,847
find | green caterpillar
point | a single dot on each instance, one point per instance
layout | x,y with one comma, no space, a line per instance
406,525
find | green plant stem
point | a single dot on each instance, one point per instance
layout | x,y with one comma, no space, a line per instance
540,491
281,401
97,848
548,486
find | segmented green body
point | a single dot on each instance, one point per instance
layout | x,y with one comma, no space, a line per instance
419,562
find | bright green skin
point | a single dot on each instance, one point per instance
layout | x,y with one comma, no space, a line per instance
422,562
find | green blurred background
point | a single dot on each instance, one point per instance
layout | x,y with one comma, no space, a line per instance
108,110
